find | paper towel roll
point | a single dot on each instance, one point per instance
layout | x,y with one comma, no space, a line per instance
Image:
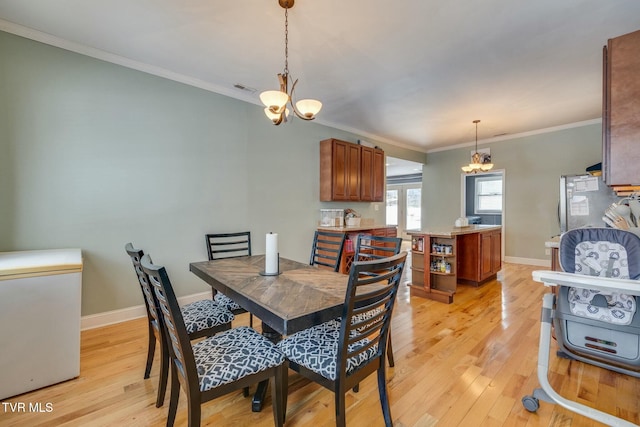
271,254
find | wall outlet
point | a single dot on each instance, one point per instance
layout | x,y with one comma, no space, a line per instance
376,207
547,251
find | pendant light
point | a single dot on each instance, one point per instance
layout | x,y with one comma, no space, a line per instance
276,101
478,164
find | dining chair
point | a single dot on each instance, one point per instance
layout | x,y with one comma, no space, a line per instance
202,318
339,354
327,248
229,245
217,365
370,247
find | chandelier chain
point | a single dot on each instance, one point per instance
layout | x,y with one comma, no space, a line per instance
477,121
286,40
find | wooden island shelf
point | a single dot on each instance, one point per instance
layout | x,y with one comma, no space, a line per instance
442,259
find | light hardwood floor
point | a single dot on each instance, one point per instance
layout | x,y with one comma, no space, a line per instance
464,364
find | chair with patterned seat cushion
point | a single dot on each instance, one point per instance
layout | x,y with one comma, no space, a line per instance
370,247
229,245
339,354
216,365
326,250
202,318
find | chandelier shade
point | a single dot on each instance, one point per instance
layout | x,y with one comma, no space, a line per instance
478,163
276,101
309,107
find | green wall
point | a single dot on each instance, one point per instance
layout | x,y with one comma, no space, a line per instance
532,165
94,155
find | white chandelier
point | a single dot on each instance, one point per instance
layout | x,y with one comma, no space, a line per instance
276,101
478,163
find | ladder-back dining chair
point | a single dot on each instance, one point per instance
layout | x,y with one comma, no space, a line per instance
217,365
229,245
369,247
339,354
202,318
326,250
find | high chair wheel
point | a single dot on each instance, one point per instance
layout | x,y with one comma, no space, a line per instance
530,403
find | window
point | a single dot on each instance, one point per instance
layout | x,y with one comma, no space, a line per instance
488,195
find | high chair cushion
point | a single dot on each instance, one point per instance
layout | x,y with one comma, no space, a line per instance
619,310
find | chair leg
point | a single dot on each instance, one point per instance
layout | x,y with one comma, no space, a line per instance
384,400
151,351
164,373
195,410
390,351
279,394
341,418
175,394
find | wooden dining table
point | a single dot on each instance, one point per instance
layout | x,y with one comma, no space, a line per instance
299,297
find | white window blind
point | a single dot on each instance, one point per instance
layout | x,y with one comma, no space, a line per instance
488,195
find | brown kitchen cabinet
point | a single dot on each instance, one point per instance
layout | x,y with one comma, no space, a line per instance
482,257
351,172
621,110
372,174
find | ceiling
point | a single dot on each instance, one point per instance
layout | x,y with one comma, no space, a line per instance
400,167
414,73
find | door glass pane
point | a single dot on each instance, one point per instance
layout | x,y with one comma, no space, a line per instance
414,196
392,207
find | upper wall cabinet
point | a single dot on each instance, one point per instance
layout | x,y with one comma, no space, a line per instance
621,110
350,172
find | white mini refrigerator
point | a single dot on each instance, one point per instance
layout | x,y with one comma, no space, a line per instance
40,295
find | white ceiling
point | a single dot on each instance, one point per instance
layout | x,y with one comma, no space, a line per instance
397,167
414,73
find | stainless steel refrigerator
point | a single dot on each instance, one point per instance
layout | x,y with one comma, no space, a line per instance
583,200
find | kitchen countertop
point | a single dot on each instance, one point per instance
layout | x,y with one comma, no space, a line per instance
554,242
347,229
454,231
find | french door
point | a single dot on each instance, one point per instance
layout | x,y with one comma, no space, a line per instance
404,207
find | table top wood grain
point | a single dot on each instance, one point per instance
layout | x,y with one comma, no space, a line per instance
300,297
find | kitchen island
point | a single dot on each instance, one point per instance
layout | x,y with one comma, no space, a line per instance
442,258
352,233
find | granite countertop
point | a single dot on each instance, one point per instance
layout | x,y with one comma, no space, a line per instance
347,229
454,231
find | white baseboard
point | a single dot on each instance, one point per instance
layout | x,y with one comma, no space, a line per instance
528,261
122,315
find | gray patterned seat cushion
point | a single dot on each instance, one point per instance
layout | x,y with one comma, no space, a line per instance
602,259
619,309
316,349
233,354
204,314
225,301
